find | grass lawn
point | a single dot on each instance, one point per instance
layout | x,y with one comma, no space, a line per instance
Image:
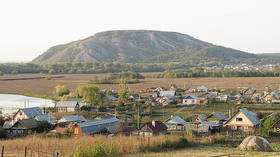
208,151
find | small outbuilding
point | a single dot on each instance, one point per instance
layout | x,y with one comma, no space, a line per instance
104,126
72,119
67,106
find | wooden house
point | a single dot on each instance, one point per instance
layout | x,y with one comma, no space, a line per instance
153,128
21,127
200,118
175,123
217,118
243,120
67,106
27,113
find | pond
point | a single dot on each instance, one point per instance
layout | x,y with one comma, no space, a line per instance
10,103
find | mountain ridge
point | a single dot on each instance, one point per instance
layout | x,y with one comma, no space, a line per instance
141,46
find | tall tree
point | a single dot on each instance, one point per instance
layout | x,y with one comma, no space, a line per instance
123,92
61,90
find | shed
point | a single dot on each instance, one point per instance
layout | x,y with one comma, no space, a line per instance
72,118
106,126
67,106
45,117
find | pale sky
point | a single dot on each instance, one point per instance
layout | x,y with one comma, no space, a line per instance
29,27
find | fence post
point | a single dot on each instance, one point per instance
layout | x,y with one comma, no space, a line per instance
25,151
2,152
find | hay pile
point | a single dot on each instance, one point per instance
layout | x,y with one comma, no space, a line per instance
256,143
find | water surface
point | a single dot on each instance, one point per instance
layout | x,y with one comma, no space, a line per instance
10,103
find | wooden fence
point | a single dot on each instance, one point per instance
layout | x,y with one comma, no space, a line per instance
27,152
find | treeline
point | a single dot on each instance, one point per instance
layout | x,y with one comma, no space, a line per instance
114,78
86,68
190,74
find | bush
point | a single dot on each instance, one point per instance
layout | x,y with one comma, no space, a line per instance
2,133
48,78
68,132
193,133
98,150
54,134
43,126
2,121
82,151
183,143
215,139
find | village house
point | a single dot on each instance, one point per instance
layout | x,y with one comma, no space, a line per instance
59,128
175,123
134,97
20,127
221,98
217,118
200,118
67,106
27,113
153,128
243,120
173,87
112,98
44,117
128,130
202,88
276,126
104,126
72,119
191,100
168,94
163,101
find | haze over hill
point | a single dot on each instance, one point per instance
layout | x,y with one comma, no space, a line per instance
135,46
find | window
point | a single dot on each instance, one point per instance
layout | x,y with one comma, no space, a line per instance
245,128
239,119
233,128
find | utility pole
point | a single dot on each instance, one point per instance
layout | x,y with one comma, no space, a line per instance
138,117
163,115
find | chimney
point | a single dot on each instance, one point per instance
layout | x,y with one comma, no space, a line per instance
154,123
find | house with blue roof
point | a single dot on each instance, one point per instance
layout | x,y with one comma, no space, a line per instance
191,100
27,113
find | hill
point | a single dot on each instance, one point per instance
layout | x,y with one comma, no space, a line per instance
138,46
